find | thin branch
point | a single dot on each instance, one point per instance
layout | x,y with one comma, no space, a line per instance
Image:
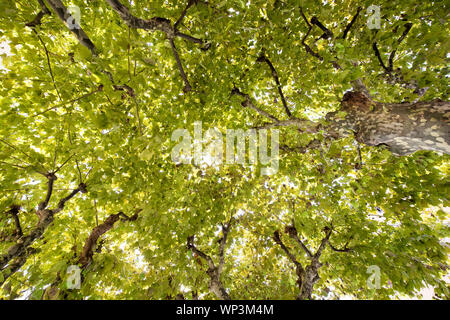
307,47
186,36
304,125
99,88
51,180
81,188
64,15
206,44
13,165
38,19
183,14
162,24
76,160
64,163
263,58
15,148
96,212
345,249
48,63
223,241
408,27
349,26
14,212
323,243
359,156
312,145
91,242
138,116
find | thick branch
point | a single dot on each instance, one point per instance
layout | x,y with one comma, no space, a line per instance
187,86
215,285
323,243
91,242
51,180
16,264
38,19
204,256
292,231
277,239
46,217
155,23
248,103
64,15
299,270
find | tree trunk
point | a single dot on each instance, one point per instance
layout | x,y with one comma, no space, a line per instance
216,286
403,127
310,277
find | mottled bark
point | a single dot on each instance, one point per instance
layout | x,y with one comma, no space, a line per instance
403,127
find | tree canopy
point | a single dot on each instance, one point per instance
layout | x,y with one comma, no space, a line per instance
92,92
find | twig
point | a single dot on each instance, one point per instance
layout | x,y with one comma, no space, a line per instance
48,62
